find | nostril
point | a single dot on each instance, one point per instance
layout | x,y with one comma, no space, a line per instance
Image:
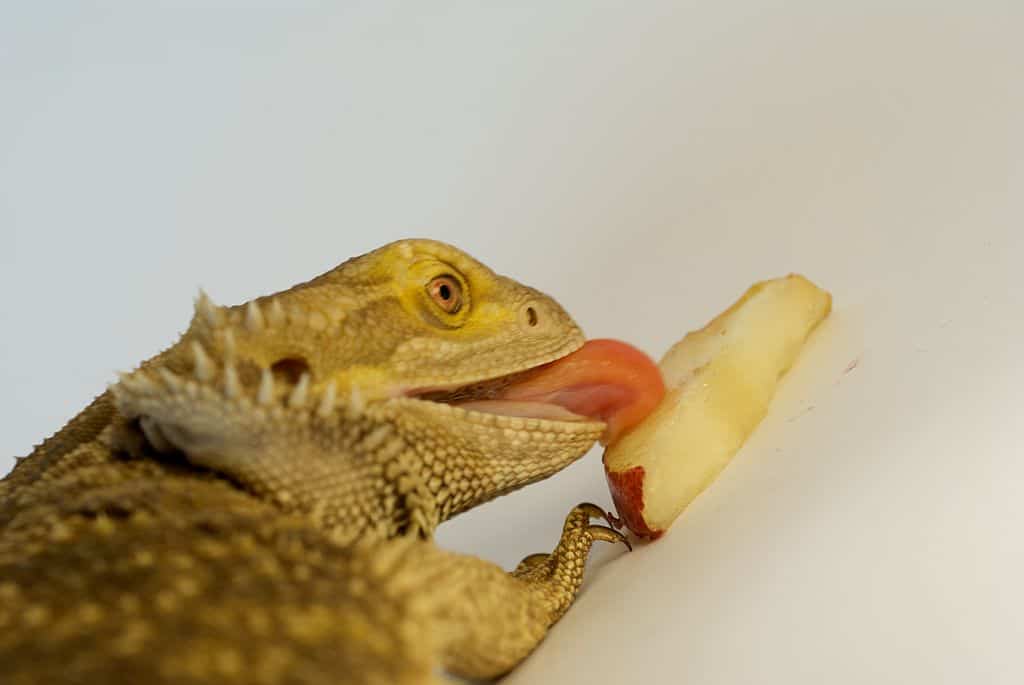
531,316
289,369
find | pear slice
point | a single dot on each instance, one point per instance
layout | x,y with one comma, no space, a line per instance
720,380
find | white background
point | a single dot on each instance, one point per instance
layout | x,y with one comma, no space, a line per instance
643,162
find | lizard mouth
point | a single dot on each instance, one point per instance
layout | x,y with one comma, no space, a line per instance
605,380
605,385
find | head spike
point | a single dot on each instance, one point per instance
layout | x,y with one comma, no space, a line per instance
253,317
118,390
327,401
136,382
210,312
356,403
203,368
300,392
232,387
156,437
126,381
276,315
170,379
265,395
229,344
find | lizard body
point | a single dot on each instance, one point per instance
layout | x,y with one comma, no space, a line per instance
256,503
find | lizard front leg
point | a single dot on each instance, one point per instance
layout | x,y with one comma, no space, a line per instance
492,619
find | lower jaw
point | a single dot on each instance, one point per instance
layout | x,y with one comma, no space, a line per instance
531,410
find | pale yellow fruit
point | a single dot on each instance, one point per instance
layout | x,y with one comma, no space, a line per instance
719,383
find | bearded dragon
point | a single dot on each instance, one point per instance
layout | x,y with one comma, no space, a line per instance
256,503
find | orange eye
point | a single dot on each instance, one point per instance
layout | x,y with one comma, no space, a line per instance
446,292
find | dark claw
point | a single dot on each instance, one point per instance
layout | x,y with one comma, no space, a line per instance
597,512
607,534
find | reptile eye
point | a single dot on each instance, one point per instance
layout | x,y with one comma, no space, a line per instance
446,292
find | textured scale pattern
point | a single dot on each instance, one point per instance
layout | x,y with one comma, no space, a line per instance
256,503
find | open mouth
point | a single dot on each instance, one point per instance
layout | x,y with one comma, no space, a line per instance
605,380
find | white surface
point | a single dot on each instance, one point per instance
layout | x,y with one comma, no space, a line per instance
643,163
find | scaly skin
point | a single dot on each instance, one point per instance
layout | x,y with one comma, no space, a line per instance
255,504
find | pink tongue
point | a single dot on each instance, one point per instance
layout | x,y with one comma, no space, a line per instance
605,380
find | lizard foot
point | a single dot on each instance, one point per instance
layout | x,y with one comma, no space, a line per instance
557,576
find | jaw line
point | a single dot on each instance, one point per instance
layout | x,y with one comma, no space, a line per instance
544,411
549,414
515,421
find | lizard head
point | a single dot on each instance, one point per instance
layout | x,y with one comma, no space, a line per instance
376,391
